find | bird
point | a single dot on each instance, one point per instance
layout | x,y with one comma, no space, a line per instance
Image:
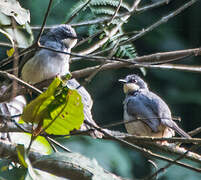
45,64
148,113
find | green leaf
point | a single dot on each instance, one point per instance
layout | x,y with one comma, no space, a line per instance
91,167
67,116
13,8
21,153
10,52
36,111
59,109
40,144
24,160
22,34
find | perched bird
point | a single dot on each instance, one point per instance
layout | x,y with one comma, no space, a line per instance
149,114
45,64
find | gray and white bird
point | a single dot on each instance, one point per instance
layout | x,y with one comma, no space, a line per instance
45,64
149,114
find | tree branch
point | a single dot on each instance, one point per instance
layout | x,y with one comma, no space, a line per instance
67,165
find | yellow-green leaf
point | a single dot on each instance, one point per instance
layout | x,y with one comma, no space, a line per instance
36,110
10,52
24,160
21,155
67,116
59,109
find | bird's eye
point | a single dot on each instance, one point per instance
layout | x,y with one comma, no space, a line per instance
133,80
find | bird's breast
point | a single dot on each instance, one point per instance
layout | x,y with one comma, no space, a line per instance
44,66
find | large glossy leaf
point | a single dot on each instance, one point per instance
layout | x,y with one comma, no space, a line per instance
58,110
71,160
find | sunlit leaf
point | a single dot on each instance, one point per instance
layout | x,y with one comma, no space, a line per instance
36,111
13,8
58,110
40,144
67,116
22,35
10,52
4,20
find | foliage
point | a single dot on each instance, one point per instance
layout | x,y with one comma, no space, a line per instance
58,110
180,90
22,33
101,9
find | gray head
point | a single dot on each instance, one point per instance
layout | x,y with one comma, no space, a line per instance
63,33
133,83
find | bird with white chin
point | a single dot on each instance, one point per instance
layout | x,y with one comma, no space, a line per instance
149,114
46,64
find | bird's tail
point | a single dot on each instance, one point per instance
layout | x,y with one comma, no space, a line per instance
178,130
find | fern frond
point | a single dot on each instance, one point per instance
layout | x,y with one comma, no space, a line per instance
126,51
103,10
113,3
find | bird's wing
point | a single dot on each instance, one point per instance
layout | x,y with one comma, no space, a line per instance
162,111
141,106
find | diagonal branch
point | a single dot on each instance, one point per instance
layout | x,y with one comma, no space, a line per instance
44,21
161,21
143,150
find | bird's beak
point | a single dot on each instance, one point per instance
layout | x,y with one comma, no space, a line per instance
123,81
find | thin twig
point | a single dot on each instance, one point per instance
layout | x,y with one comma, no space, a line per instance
88,38
171,163
154,58
115,13
58,144
44,21
153,5
8,60
5,44
12,77
158,23
16,60
145,151
111,32
106,19
151,27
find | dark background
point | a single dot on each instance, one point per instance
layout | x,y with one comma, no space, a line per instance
181,90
